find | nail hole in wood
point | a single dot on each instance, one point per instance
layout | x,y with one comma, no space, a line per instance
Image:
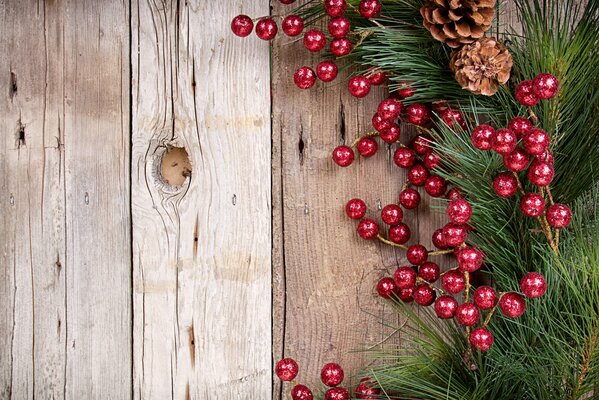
175,167
12,89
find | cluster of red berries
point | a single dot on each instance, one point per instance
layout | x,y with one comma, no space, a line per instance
543,87
315,40
331,375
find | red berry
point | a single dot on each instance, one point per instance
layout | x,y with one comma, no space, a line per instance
370,8
355,208
439,240
242,25
418,114
327,71
301,392
445,307
379,123
292,25
533,285
481,137
343,156
512,304
409,198
424,295
535,142
470,259
399,234
532,205
435,186
335,8
386,287
406,92
337,393
367,147
451,117
359,86
505,185
504,141
315,40
540,173
340,47
404,157
485,297
454,234
331,374
391,134
545,156
286,1
524,94
481,339
453,281
517,160
417,254
405,277
459,211
545,86
429,271
389,108
417,175
304,78
378,78
431,160
520,126
421,144
559,215
266,29
406,295
392,214
286,369
368,229
366,391
454,194
467,314
339,27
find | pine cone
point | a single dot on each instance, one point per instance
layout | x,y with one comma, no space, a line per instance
481,66
458,22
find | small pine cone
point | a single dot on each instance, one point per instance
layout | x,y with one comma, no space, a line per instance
481,66
458,22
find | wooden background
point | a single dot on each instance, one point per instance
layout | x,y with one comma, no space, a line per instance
116,283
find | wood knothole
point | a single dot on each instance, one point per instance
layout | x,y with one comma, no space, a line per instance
173,168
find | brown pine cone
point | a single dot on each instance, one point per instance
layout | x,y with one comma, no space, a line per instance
481,66
458,22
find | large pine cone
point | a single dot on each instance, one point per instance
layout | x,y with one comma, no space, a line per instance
458,22
481,66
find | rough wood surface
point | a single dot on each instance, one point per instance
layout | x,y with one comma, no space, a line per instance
201,251
65,324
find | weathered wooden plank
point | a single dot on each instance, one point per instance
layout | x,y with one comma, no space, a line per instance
202,250
64,94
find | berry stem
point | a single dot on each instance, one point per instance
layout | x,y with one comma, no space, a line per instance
390,243
532,116
489,316
467,289
550,196
440,252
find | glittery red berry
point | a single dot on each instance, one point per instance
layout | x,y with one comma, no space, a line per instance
389,108
524,94
405,277
386,287
454,193
545,156
404,157
378,78
367,147
467,314
453,281
535,142
409,198
470,259
366,391
445,307
533,285
435,186
399,234
417,175
517,160
418,114
292,25
431,160
429,271
343,156
337,393
327,71
485,297
481,137
315,40
459,211
512,304
286,369
454,234
481,339
379,123
304,78
504,141
391,134
421,144
331,374
368,229
505,185
286,1
541,173
439,240
406,295
370,8
266,29
520,126
417,254
559,215
392,214
532,205
406,92
545,86
335,8
242,25
340,47
452,117
339,27
355,208
301,392
359,86
424,294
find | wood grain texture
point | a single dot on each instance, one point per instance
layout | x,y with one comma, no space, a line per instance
201,251
65,239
